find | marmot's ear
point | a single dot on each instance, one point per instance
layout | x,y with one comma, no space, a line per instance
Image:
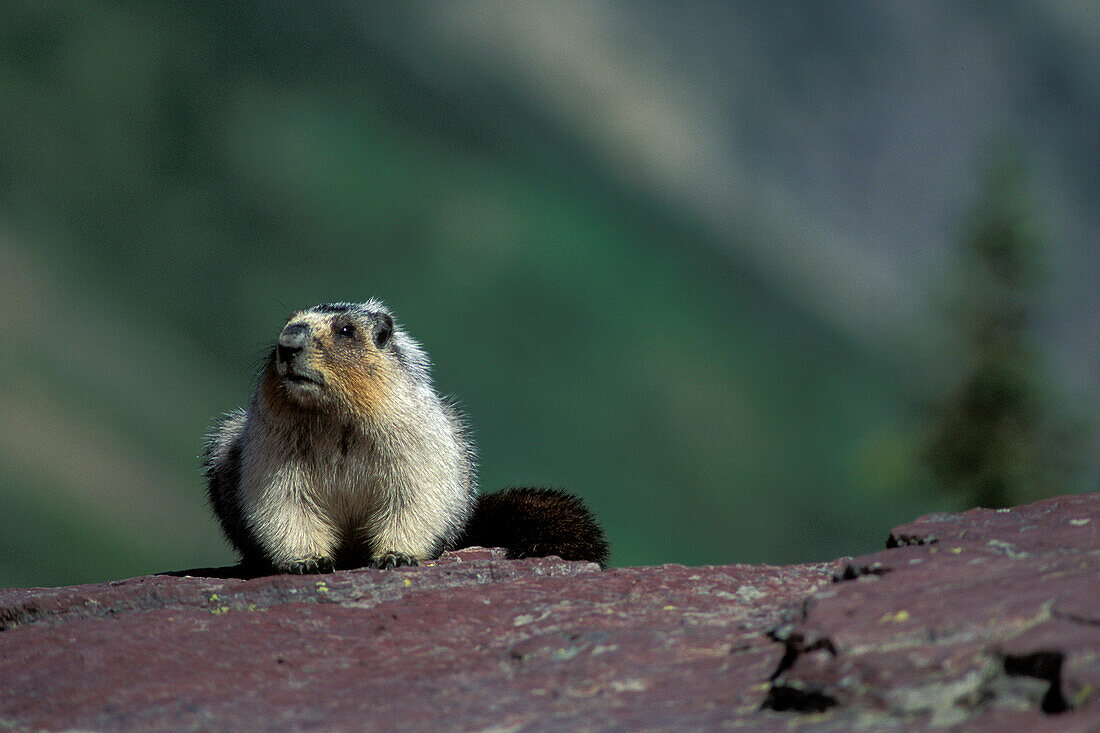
383,329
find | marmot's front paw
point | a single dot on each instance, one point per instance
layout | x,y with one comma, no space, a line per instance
308,566
388,560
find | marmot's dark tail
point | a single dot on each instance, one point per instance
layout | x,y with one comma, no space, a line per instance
536,523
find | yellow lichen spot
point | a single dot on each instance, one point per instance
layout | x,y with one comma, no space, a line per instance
668,608
321,587
956,550
897,618
1080,522
213,597
408,582
219,610
1083,695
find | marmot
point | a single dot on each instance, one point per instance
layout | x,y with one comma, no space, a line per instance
346,456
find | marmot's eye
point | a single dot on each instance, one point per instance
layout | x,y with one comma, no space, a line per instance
346,330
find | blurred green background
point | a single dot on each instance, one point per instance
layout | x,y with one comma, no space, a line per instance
758,280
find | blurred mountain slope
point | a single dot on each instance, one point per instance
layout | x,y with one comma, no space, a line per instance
845,138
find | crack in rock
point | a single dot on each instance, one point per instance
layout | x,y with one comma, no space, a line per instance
853,571
792,695
1044,665
792,698
897,539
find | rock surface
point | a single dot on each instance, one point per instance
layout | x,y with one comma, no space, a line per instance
987,620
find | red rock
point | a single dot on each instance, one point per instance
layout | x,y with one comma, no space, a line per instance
994,621
994,625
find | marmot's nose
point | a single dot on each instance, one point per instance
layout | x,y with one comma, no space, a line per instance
292,340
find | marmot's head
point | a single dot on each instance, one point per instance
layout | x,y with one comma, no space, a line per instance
347,358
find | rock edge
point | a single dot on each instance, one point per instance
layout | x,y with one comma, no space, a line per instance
987,620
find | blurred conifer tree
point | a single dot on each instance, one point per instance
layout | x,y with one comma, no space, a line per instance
998,438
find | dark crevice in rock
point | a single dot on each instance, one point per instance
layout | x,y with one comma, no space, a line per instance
790,653
788,695
1043,665
897,539
794,645
853,571
794,642
784,698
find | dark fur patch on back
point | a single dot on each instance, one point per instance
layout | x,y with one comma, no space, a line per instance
224,478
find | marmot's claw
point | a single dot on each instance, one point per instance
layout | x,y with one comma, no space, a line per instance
309,566
388,560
